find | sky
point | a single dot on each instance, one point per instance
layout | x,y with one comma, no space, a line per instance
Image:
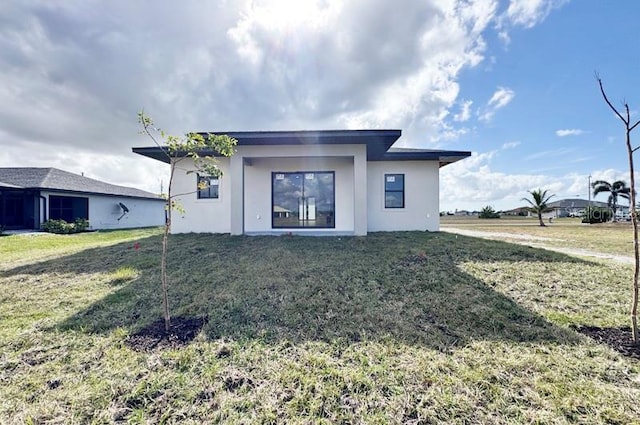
512,81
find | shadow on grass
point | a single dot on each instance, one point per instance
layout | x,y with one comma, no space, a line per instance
405,286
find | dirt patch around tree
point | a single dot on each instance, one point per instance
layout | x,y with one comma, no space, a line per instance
154,337
617,338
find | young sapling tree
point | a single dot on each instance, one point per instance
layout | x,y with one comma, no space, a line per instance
191,153
625,117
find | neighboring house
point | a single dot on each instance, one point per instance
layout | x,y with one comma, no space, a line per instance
313,182
572,207
521,211
30,196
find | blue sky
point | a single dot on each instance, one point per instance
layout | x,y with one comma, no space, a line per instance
556,129
511,80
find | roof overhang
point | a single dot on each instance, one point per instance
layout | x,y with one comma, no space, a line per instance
406,154
377,141
378,144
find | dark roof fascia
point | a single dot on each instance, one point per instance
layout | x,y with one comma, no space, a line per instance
154,152
77,192
377,141
443,157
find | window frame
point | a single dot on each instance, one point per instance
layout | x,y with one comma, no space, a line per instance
332,225
63,207
207,190
401,191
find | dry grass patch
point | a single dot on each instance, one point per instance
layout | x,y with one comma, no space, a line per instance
609,238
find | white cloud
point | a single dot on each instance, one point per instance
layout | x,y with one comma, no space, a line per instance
579,183
528,13
500,98
472,183
510,145
465,111
569,132
75,73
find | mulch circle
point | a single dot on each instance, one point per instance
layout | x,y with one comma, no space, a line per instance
154,337
617,338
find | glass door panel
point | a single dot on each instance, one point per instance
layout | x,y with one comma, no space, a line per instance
303,199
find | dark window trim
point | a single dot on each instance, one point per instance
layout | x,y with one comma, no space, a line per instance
208,188
333,224
394,191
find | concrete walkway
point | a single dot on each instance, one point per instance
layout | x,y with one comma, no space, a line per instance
538,242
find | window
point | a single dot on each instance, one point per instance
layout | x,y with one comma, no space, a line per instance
68,208
208,187
303,199
394,190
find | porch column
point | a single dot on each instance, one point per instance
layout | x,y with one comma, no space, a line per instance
236,176
360,191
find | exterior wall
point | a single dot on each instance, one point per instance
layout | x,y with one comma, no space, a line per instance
104,211
421,205
244,204
201,215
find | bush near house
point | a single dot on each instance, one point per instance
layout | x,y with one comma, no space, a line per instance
596,215
488,212
62,227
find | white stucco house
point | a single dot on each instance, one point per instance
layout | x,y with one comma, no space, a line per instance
337,182
30,196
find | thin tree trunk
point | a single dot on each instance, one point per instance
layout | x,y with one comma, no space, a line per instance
540,219
165,282
165,251
636,250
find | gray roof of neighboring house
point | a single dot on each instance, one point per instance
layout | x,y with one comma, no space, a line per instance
62,181
378,143
575,203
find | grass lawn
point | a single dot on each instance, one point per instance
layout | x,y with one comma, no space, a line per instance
610,238
408,327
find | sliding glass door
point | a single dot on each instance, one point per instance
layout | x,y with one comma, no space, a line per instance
303,199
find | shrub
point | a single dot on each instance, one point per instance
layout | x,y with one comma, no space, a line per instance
61,227
596,215
488,212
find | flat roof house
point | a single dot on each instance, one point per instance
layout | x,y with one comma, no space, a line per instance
30,196
337,182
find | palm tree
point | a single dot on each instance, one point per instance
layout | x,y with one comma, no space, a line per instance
538,202
618,188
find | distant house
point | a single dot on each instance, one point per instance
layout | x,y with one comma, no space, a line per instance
315,183
520,211
572,207
30,196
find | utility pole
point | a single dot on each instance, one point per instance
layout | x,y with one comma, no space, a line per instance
589,203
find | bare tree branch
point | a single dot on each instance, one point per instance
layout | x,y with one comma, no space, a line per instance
606,99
